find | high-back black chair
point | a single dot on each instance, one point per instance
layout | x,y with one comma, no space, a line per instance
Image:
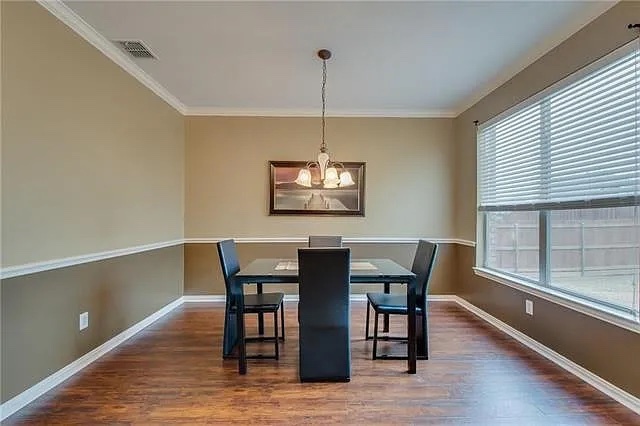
396,304
253,303
325,344
325,241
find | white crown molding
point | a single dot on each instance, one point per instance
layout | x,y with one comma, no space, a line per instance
61,11
48,383
594,380
293,112
65,14
32,268
86,31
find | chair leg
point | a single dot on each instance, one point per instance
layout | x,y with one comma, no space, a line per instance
366,331
425,332
385,318
282,319
275,330
375,335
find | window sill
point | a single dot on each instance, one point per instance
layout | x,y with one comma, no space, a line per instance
616,318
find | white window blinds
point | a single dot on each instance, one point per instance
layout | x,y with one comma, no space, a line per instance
575,145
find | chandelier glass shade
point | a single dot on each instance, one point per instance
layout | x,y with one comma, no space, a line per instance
332,174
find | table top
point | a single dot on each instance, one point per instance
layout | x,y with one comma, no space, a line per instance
264,270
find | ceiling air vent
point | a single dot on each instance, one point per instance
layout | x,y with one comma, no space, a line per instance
135,48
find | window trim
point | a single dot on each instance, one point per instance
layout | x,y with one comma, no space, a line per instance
544,282
543,287
597,311
600,203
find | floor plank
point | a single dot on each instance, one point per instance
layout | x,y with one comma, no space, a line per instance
173,372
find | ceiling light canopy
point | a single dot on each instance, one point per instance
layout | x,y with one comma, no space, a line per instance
332,174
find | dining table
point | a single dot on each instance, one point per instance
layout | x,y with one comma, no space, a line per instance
362,271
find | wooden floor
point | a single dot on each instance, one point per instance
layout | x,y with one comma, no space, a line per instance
173,372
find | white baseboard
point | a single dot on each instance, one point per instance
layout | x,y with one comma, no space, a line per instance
217,298
442,298
24,398
295,298
207,298
594,380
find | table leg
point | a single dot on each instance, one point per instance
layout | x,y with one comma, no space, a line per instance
385,321
411,318
242,348
260,315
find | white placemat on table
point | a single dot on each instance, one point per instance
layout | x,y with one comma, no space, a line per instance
356,266
287,266
362,266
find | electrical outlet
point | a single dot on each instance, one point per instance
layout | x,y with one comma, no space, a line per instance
84,320
528,307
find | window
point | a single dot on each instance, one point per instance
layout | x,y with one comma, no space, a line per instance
559,186
512,243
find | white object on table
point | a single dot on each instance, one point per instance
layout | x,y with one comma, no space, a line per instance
356,266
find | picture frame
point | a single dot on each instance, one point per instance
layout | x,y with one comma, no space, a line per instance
286,197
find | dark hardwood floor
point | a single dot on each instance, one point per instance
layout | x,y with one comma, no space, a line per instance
173,372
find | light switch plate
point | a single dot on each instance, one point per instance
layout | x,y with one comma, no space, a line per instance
84,320
528,307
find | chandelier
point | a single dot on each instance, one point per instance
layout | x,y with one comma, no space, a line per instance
332,174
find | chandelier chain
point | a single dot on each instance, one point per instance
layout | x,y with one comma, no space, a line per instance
323,146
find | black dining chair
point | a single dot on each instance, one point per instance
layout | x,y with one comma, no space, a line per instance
325,344
253,303
396,304
325,241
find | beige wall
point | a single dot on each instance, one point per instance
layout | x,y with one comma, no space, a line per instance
610,352
409,173
40,311
1,120
91,159
202,274
595,40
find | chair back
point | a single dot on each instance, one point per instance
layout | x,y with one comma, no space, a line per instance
325,344
325,240
229,264
423,262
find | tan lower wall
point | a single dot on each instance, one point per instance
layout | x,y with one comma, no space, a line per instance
40,311
202,275
606,350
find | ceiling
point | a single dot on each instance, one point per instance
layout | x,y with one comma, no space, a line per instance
389,58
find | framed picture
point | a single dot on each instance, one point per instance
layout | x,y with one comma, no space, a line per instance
290,198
